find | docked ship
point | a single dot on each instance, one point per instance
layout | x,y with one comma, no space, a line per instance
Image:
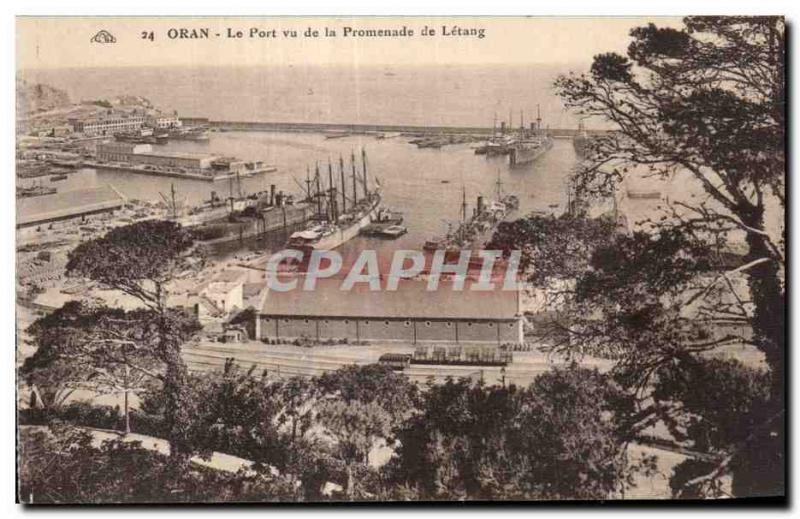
36,190
499,143
580,141
223,225
472,232
531,144
143,136
334,225
189,134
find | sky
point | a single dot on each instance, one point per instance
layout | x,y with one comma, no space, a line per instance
66,42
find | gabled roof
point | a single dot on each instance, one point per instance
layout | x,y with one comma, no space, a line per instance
411,299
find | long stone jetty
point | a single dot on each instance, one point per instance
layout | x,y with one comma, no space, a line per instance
355,129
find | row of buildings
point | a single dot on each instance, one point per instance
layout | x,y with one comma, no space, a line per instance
121,123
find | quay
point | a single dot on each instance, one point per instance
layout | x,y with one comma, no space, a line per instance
177,174
342,129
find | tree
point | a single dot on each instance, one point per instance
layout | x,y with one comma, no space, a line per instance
724,403
140,260
96,348
62,465
356,428
371,383
563,437
237,413
707,100
359,406
570,435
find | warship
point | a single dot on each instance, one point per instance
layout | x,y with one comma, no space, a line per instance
531,144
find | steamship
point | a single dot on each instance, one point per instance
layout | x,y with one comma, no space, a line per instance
530,145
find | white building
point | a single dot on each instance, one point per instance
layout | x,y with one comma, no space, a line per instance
108,125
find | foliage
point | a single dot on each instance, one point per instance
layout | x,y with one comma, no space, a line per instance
371,383
724,407
62,465
75,413
102,349
707,101
561,438
140,260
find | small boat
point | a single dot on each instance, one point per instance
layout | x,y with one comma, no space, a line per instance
37,190
647,195
337,135
56,178
393,231
445,181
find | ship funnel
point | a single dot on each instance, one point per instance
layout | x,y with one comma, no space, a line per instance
272,194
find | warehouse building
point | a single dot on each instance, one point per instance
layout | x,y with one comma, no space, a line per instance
120,151
143,154
411,314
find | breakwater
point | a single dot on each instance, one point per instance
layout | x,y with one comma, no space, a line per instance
366,129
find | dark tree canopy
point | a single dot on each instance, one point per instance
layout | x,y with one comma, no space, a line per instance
137,259
705,101
140,260
562,438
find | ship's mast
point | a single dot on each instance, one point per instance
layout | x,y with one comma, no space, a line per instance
355,183
463,226
308,184
319,192
538,119
364,167
344,186
171,201
331,193
463,203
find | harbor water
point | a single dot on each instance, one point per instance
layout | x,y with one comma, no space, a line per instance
424,184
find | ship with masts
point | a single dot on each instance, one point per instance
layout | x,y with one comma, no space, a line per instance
339,216
473,231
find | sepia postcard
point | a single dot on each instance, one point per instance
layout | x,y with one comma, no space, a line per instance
400,259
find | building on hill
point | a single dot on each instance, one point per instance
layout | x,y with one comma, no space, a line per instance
411,314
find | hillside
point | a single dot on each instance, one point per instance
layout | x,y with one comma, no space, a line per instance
33,98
